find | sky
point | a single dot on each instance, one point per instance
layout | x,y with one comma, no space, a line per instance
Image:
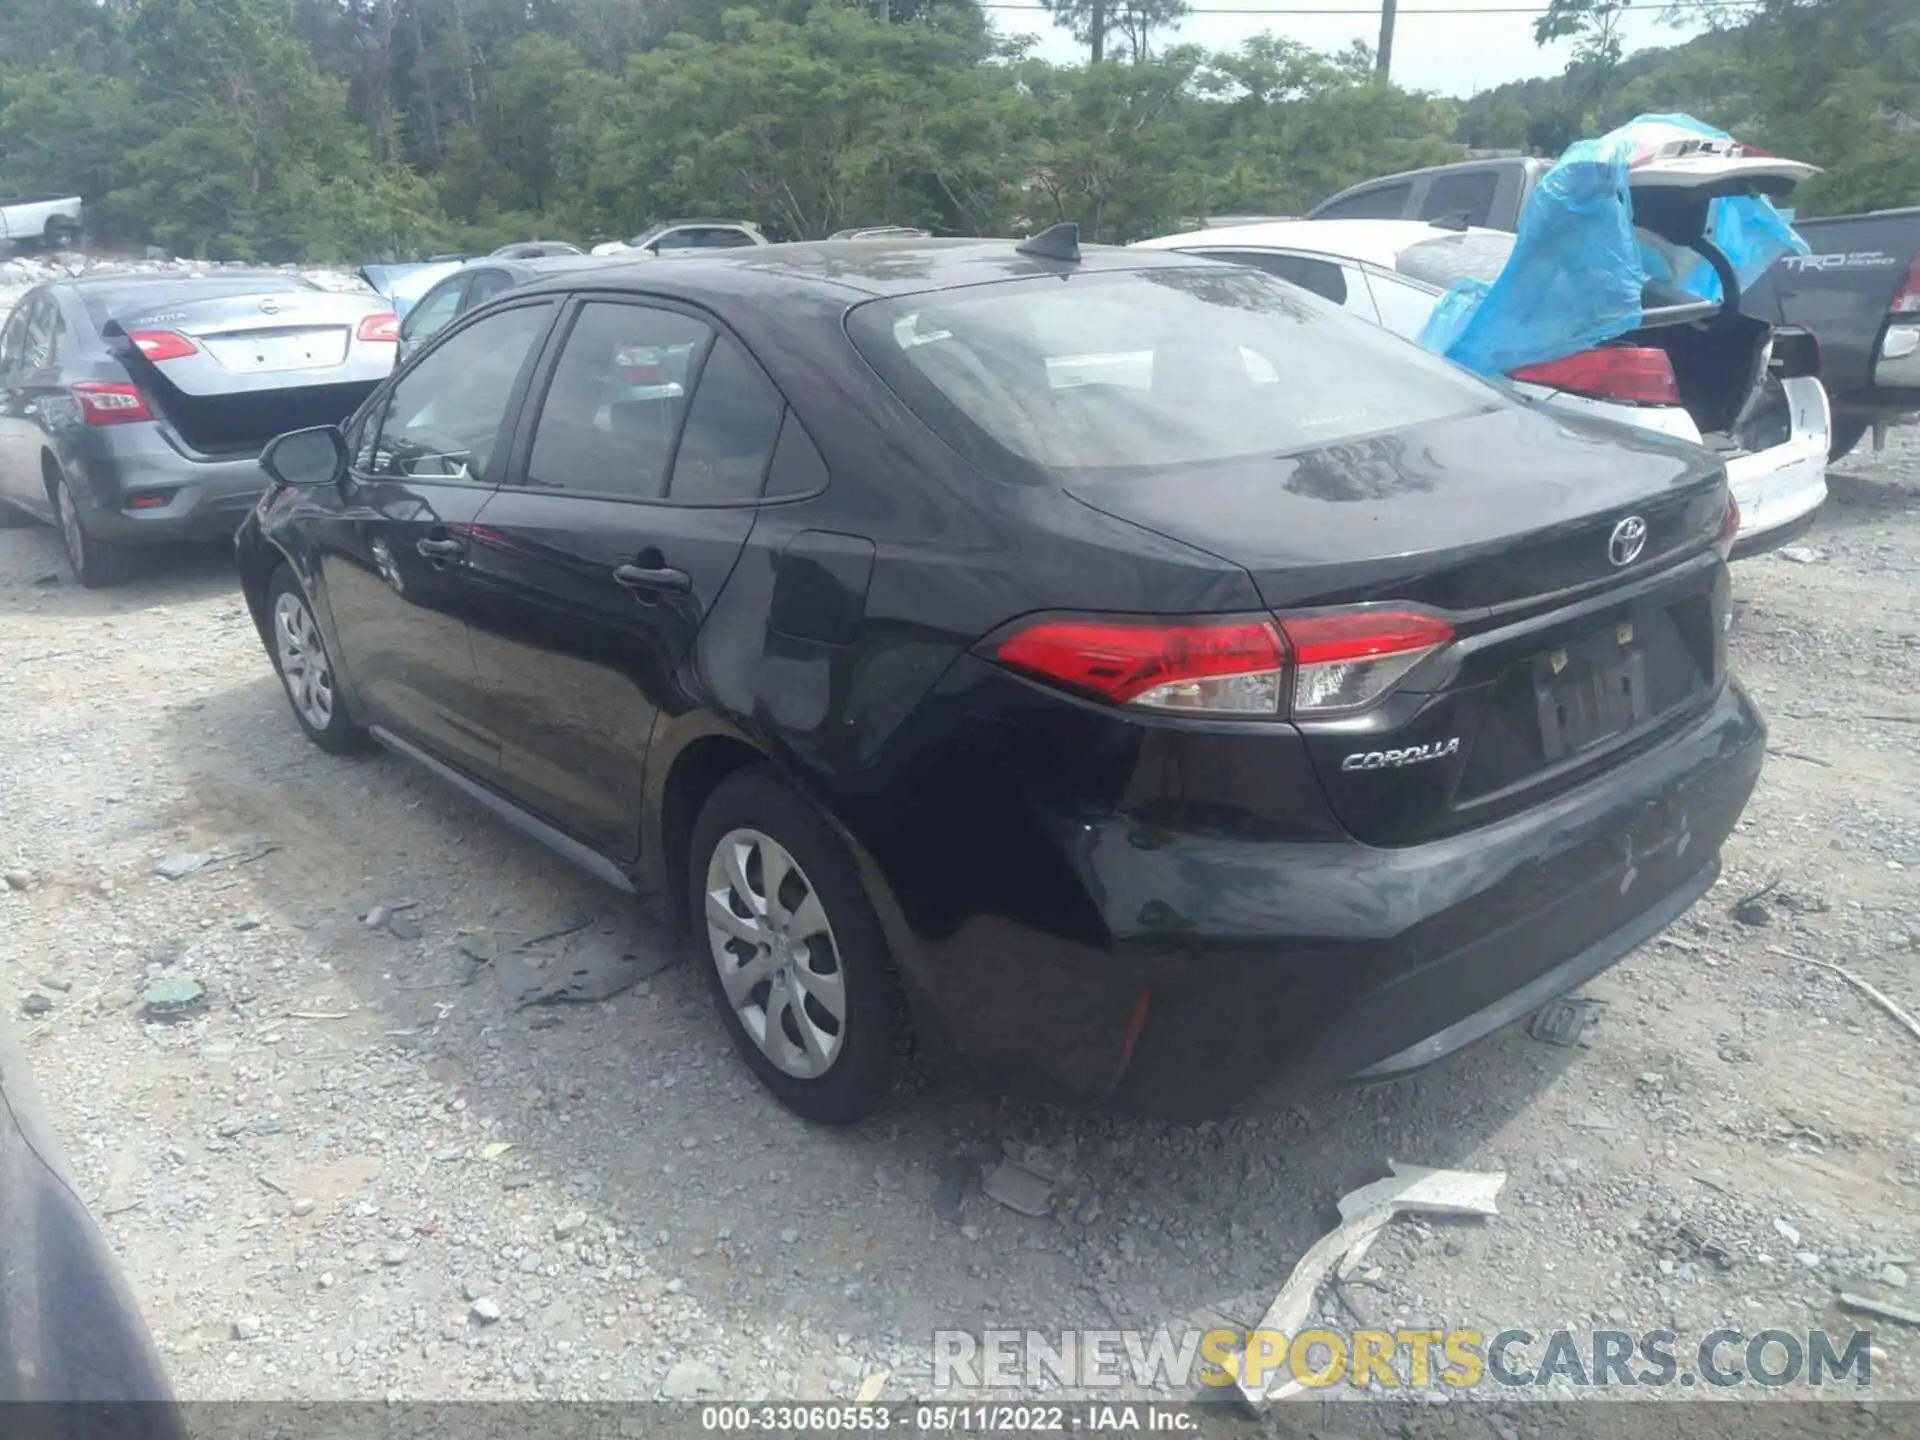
1447,49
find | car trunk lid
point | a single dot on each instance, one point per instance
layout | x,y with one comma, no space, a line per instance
1574,562
231,372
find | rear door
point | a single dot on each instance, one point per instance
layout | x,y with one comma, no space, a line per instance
394,560
631,494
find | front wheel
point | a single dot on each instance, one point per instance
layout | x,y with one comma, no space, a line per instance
800,969
95,563
307,671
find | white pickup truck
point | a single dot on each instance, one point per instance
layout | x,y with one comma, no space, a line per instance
50,224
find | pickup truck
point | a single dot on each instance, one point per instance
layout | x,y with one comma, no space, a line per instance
50,224
1857,293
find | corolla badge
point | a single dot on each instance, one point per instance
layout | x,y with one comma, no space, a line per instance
1395,759
1629,538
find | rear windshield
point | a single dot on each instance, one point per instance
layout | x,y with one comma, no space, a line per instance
1447,258
1114,375
129,302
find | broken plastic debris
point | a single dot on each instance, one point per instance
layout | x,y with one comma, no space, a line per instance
1018,1188
1563,1022
1411,1189
173,997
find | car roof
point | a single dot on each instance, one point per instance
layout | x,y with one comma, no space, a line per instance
851,270
1375,242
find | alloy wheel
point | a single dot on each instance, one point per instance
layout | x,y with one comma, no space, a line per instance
303,661
776,954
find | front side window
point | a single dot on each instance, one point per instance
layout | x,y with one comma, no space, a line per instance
1129,373
484,286
443,417
617,397
436,310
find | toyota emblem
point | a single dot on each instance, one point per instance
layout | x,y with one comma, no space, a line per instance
1629,538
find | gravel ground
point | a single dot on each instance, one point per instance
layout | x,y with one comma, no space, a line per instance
366,1169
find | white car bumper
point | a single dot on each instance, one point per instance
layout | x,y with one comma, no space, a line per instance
1780,489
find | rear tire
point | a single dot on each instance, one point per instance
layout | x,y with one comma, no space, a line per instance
58,235
306,670
96,564
1847,432
793,956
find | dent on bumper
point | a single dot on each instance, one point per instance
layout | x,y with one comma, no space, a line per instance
205,500
1271,970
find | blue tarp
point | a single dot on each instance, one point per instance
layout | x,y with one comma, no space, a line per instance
1575,276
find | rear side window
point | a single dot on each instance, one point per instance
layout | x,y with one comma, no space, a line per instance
442,418
1385,202
1469,194
1447,258
731,429
1145,371
616,400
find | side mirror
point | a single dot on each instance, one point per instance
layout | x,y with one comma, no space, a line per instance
306,458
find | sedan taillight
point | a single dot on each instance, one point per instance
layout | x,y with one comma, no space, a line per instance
163,344
1304,666
1729,527
110,403
1636,374
383,326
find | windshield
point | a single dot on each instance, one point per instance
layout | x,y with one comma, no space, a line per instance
1119,374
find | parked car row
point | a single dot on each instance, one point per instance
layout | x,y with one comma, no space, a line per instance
1857,293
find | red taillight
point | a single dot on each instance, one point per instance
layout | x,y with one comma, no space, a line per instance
1906,297
162,344
1634,373
1729,527
1346,660
108,403
1307,666
383,326
1223,666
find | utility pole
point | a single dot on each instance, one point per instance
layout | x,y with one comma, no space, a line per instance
1100,30
1383,57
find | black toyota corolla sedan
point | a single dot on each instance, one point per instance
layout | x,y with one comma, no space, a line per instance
1127,671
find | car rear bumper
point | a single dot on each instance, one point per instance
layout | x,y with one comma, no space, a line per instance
1243,971
199,499
1782,487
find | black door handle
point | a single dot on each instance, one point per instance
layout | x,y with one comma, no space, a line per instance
638,577
440,549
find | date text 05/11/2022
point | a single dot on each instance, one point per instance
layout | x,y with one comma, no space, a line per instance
1007,1419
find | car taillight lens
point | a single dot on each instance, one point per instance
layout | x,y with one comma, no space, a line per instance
1729,527
107,403
162,344
1306,666
1346,660
1906,297
1221,667
384,326
1639,374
